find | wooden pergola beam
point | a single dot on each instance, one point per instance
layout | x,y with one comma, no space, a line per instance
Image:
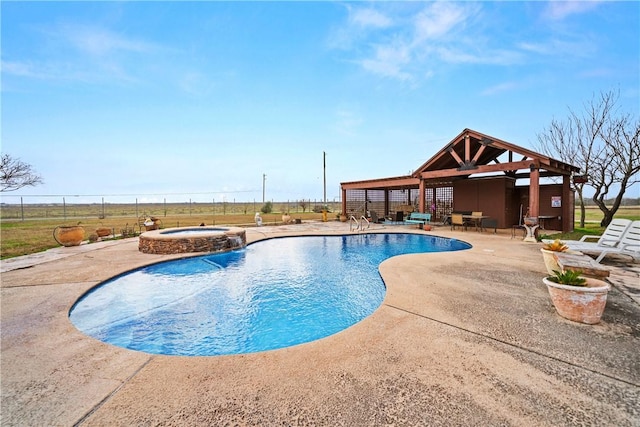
380,184
501,167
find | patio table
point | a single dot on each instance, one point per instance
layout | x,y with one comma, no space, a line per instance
476,219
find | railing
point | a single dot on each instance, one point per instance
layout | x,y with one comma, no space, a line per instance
352,220
363,218
358,224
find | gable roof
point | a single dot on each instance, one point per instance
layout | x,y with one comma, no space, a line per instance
473,152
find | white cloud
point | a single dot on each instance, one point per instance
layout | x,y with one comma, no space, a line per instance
580,46
22,69
101,41
401,42
58,70
401,45
195,83
455,55
439,19
348,121
86,53
389,61
558,10
499,88
370,18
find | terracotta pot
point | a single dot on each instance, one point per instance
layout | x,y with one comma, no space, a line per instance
69,235
103,231
550,261
343,218
584,304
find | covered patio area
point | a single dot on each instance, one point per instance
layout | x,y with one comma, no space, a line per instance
473,173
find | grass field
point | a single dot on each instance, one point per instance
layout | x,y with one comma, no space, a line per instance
35,233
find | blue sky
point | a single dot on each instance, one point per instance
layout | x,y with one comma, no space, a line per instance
158,98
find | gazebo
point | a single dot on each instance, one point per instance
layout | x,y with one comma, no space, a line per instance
473,172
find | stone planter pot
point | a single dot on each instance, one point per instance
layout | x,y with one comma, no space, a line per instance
286,218
550,261
584,304
69,235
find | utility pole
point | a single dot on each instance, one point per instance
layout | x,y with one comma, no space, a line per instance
324,174
264,179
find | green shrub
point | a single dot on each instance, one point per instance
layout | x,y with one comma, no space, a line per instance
267,208
568,277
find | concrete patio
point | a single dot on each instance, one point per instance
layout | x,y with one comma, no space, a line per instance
464,338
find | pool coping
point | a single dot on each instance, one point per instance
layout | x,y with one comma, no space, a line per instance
458,339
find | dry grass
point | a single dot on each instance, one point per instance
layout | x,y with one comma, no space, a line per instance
36,235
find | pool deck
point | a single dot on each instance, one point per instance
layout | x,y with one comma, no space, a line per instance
464,338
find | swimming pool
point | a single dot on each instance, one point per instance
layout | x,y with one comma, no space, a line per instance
272,294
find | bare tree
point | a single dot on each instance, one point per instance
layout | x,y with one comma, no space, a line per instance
619,167
303,204
15,174
603,143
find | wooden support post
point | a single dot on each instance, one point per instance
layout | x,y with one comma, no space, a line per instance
467,149
534,190
568,205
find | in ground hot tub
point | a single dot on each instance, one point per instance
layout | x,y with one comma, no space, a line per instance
192,239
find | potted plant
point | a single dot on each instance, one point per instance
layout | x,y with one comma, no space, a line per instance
548,251
286,218
577,298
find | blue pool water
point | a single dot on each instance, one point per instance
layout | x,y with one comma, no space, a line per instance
273,294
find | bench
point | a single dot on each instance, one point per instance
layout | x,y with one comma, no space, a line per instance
581,263
418,218
486,223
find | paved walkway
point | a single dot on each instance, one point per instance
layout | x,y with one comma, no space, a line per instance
461,338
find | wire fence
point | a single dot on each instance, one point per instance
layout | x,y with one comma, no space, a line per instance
65,207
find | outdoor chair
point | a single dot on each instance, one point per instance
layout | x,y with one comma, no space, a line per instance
457,220
476,221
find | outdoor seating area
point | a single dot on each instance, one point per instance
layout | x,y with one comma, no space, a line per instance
478,176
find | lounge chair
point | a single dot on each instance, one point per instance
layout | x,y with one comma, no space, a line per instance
609,239
629,244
